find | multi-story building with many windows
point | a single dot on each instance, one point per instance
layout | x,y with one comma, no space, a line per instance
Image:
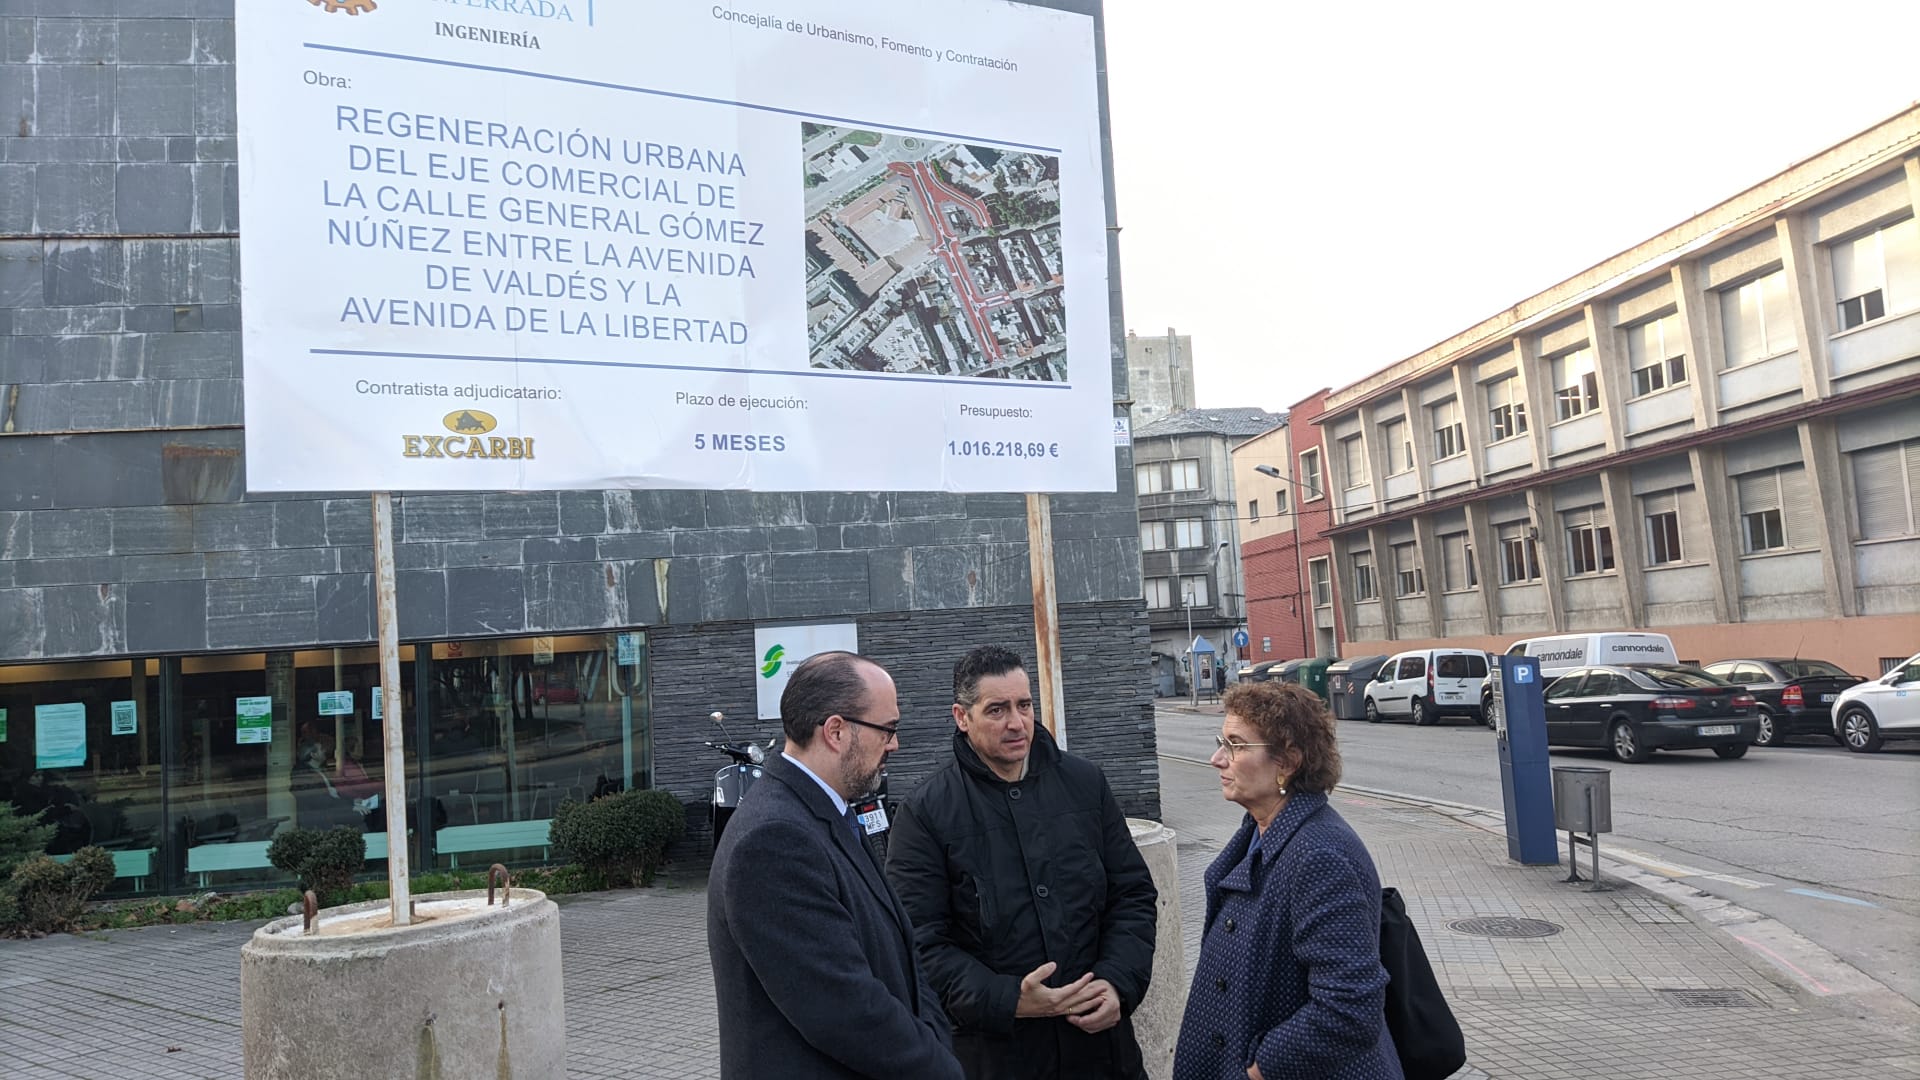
1715,433
1189,532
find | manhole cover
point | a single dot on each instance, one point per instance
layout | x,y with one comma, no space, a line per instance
1505,926
1710,999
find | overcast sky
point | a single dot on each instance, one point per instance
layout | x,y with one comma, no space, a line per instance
1314,191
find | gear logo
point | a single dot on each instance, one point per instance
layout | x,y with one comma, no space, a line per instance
351,7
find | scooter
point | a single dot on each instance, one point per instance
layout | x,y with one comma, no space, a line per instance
876,824
730,782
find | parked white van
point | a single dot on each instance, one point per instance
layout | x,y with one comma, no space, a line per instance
1564,652
1427,684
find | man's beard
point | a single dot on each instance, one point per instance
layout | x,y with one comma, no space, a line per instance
856,780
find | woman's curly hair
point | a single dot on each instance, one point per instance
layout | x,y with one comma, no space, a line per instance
1291,717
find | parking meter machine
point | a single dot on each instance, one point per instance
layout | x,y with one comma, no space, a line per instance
1526,790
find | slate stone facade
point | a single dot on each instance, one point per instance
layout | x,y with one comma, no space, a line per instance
126,529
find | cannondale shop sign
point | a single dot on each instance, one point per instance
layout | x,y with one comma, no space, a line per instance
783,245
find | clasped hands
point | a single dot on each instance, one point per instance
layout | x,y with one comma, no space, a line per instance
1090,1004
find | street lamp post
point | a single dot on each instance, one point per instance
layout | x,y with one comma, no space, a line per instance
1299,571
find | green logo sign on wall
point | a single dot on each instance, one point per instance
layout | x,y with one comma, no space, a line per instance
770,663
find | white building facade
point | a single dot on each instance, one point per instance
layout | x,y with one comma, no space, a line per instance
1715,434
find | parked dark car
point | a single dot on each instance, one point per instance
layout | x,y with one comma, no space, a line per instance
1795,697
1635,709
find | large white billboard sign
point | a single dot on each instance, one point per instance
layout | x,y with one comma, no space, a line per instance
780,245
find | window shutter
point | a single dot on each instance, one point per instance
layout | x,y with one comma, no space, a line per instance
1856,266
1777,314
1666,502
1797,514
1642,345
1879,490
1901,244
1913,486
1757,491
1353,461
1740,323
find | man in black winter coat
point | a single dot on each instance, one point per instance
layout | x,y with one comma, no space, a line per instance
1033,912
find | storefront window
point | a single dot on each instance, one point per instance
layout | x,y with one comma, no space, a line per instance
519,725
185,769
339,757
260,750
78,746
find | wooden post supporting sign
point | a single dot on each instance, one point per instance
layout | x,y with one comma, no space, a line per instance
398,884
1046,617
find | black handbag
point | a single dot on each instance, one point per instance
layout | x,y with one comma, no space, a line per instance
1425,1034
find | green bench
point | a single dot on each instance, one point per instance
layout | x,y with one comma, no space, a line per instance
204,859
136,863
455,840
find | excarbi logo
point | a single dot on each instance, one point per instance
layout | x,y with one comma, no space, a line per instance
351,7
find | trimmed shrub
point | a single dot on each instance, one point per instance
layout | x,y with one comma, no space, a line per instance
619,840
42,896
324,860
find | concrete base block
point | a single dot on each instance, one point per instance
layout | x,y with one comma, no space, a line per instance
468,990
1156,1023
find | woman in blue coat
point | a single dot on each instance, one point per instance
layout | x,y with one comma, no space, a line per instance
1289,984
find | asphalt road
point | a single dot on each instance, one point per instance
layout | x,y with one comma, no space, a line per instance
1839,827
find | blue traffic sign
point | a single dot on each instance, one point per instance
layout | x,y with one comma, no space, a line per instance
1240,639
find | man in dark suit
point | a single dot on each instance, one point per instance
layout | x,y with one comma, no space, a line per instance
813,959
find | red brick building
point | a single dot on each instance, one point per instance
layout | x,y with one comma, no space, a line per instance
1281,477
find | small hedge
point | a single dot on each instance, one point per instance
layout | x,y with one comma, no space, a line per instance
42,896
324,860
619,840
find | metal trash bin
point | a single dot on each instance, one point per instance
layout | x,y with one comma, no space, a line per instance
1573,810
1347,686
1312,674
1583,803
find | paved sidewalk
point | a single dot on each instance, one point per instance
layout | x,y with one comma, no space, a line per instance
1594,999
1604,995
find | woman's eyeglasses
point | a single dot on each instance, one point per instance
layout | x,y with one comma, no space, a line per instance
1232,747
